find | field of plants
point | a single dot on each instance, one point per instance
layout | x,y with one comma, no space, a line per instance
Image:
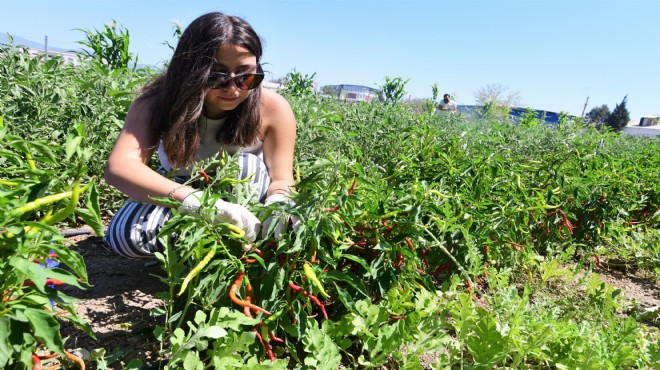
426,242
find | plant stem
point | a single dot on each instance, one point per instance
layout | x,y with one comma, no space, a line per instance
451,257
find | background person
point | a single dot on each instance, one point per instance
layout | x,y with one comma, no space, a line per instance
447,104
209,99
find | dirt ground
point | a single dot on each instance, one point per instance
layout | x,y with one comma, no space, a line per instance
117,305
124,291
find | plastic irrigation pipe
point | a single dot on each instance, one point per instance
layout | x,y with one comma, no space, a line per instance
75,232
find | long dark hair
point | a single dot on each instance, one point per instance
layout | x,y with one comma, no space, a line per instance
179,92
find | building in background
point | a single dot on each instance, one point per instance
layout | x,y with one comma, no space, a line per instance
37,49
353,93
271,85
648,126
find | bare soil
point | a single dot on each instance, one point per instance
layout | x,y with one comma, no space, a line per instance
123,292
117,306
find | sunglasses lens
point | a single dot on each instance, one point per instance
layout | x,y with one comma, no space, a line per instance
218,81
246,81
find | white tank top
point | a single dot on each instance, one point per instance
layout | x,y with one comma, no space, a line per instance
209,147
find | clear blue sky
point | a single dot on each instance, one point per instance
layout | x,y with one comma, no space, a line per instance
554,54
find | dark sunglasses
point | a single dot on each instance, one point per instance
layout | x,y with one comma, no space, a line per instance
244,81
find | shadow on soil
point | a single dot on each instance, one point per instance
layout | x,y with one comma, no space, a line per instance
117,306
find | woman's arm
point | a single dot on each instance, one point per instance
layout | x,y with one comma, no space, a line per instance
127,168
279,129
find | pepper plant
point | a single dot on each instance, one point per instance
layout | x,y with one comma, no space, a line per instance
34,200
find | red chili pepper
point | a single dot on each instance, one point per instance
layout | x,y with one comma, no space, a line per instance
318,303
238,301
75,359
248,299
266,346
350,191
313,258
295,287
517,246
274,338
443,268
410,244
206,177
385,222
399,260
37,362
564,221
48,282
312,297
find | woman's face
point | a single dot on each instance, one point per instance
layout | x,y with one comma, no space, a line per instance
232,60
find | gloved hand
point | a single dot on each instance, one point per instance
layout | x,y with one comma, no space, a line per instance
225,212
278,217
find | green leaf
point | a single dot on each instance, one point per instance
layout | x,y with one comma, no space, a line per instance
92,214
485,341
322,351
351,279
192,361
45,152
213,332
5,343
46,329
39,274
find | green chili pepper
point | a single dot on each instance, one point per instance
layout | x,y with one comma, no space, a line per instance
197,269
309,272
37,203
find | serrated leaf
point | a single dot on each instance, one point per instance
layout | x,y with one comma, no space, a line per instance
322,350
213,332
192,361
485,341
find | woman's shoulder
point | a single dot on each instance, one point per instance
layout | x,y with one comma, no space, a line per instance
276,111
140,112
273,102
144,101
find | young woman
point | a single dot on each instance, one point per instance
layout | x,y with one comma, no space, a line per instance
208,100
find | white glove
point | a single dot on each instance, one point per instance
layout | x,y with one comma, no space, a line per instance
225,212
278,217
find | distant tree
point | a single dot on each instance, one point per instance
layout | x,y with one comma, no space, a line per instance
598,115
328,90
619,117
496,99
